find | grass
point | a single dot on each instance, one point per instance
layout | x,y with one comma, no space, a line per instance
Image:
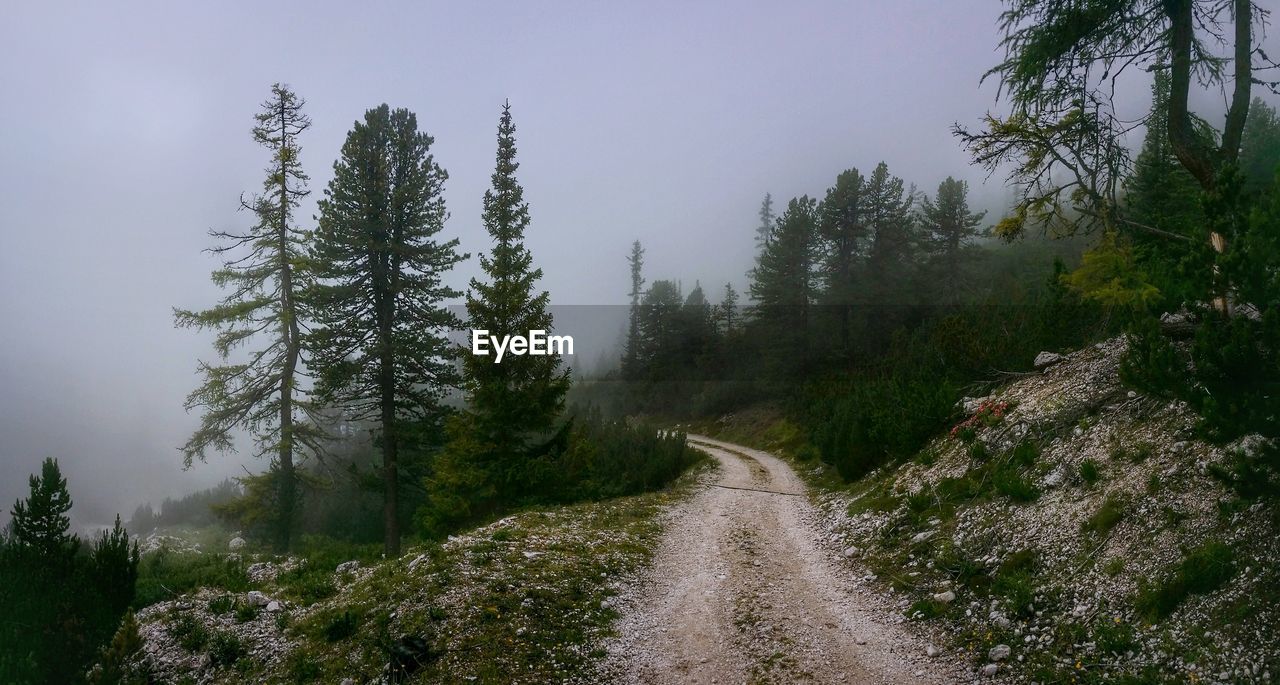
479,608
1089,471
1107,517
1202,571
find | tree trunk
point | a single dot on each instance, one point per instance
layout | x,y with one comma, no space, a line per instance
287,490
390,444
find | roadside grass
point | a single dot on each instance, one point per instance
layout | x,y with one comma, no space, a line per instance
524,599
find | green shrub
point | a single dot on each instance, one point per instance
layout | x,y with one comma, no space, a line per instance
1201,571
1089,471
164,575
225,648
1151,364
245,612
190,633
221,604
1106,517
1015,486
341,626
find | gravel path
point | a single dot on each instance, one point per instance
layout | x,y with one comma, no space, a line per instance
742,591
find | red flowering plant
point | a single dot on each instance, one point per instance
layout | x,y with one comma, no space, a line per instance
989,414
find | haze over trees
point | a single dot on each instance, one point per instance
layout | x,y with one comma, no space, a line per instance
264,271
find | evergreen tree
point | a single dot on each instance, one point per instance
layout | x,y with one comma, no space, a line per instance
764,229
636,262
843,232
661,330
119,662
261,395
381,345
113,565
892,239
40,523
1160,194
513,404
782,282
1260,147
948,227
728,307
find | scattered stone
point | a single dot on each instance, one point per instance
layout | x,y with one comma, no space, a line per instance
921,537
257,599
946,597
236,543
932,650
999,653
1046,359
990,669
348,566
850,552
275,606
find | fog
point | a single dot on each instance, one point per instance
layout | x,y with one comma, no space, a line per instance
125,137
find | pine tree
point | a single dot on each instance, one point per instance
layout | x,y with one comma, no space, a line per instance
40,523
263,270
782,282
381,345
892,239
764,230
514,404
1161,194
636,262
113,565
1260,147
948,227
842,230
728,307
119,662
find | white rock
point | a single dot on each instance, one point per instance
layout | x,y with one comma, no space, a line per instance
945,597
990,669
932,650
1046,359
850,551
273,606
257,599
921,537
999,653
348,566
236,543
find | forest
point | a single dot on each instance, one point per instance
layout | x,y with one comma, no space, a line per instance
874,310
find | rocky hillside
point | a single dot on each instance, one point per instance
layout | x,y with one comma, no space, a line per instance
1070,530
525,599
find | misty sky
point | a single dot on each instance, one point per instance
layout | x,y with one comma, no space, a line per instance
125,137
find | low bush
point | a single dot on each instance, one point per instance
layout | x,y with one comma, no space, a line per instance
1107,517
1201,571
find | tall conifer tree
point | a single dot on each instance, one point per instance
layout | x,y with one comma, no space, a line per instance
263,269
382,347
514,404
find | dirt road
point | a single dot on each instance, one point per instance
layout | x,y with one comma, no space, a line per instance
742,591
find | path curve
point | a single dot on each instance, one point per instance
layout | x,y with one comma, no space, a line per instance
741,591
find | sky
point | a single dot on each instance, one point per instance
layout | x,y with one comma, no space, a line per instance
124,138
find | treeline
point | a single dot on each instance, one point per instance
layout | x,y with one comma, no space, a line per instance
871,311
339,334
196,509
874,309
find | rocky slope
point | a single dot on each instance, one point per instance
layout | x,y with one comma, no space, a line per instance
1070,530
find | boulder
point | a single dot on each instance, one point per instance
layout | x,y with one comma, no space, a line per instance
348,566
236,543
1046,359
999,653
946,597
990,669
257,599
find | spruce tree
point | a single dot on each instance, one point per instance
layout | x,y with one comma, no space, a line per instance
948,227
381,342
263,270
843,232
636,262
782,283
728,307
513,404
40,525
764,229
